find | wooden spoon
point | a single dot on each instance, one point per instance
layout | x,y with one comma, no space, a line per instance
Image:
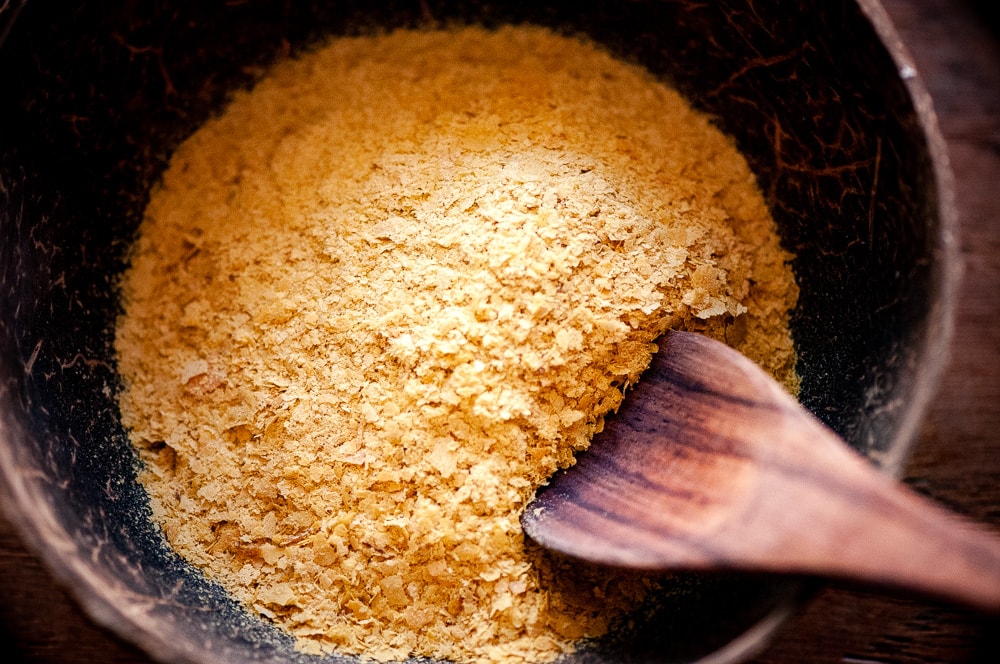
710,465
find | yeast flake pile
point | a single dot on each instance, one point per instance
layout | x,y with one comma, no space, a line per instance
377,301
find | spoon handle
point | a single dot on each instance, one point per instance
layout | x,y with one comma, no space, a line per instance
856,523
847,519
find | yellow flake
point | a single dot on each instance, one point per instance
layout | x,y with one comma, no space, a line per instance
385,294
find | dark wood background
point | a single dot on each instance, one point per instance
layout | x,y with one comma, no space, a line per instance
956,46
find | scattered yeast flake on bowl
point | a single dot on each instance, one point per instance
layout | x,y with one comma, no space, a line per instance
387,292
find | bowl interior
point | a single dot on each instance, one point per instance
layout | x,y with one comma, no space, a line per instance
96,97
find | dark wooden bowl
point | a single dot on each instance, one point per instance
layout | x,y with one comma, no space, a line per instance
818,94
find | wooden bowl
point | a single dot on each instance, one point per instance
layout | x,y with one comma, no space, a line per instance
820,97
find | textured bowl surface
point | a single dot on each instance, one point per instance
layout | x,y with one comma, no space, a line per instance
95,98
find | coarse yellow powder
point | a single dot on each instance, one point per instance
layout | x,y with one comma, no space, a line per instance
385,294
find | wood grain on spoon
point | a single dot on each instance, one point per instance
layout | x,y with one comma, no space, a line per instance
710,464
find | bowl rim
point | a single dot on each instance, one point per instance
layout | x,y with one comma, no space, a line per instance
44,538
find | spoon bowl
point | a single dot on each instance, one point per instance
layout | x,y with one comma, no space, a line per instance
710,464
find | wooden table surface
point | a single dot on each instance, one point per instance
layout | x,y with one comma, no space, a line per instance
957,460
